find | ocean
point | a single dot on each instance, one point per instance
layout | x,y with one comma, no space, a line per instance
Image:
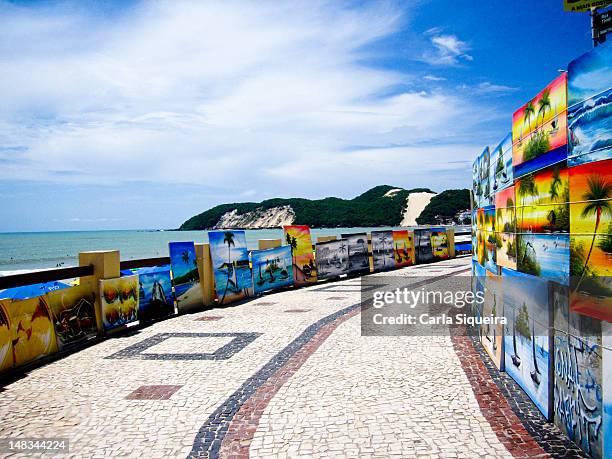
21,252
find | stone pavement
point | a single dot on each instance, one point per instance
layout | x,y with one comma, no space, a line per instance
284,375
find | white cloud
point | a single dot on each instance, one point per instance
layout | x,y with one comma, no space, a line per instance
433,78
233,95
448,49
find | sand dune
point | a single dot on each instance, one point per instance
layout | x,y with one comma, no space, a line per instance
416,203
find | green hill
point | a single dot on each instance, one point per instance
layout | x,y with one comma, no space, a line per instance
371,208
444,205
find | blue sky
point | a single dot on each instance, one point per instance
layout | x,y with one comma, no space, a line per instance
120,115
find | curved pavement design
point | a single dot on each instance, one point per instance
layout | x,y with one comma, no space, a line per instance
284,375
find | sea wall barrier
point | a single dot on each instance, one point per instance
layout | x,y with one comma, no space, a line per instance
542,250
110,296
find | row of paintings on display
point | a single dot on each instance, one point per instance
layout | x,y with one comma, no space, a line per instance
568,120
575,386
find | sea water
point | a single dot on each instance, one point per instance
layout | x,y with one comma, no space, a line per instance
20,252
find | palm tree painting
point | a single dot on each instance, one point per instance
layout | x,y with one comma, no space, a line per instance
331,258
230,261
403,248
382,250
185,275
298,238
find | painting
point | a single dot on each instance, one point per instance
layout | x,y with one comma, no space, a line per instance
185,275
543,201
591,275
484,186
272,268
544,255
527,350
155,298
505,211
491,335
577,401
488,218
505,254
590,130
590,106
230,261
478,287
6,341
539,135
591,198
489,241
501,176
358,255
607,385
403,248
332,258
32,332
475,182
73,314
119,301
298,239
439,243
382,250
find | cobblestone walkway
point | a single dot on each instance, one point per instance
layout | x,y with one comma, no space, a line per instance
285,375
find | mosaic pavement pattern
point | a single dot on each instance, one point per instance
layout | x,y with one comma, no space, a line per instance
263,382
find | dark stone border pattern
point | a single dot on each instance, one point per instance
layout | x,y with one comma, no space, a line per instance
135,351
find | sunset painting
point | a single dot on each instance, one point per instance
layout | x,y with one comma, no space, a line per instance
403,248
298,238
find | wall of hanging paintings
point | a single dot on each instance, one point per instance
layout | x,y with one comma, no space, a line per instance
553,257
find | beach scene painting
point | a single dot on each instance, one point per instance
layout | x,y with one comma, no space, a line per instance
231,268
32,331
501,175
155,299
505,254
73,314
272,268
439,244
299,240
591,198
544,255
590,113
422,245
382,250
403,248
527,353
578,384
6,341
539,132
119,301
332,258
489,242
185,275
358,254
505,211
491,335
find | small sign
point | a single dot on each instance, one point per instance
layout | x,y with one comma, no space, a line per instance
603,25
584,5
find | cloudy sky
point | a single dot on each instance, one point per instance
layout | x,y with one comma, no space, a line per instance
140,114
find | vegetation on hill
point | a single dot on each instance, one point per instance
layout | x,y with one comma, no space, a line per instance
371,208
444,206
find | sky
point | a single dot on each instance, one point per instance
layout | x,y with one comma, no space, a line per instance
141,114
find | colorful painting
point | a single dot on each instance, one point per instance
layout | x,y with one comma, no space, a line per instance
607,385
491,335
32,330
155,299
439,243
403,248
185,275
490,251
544,255
484,184
231,268
505,211
527,354
578,387
591,198
272,268
6,340
359,259
505,254
382,250
539,136
119,301
73,314
304,268
332,258
542,200
590,130
488,219
501,176
591,275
